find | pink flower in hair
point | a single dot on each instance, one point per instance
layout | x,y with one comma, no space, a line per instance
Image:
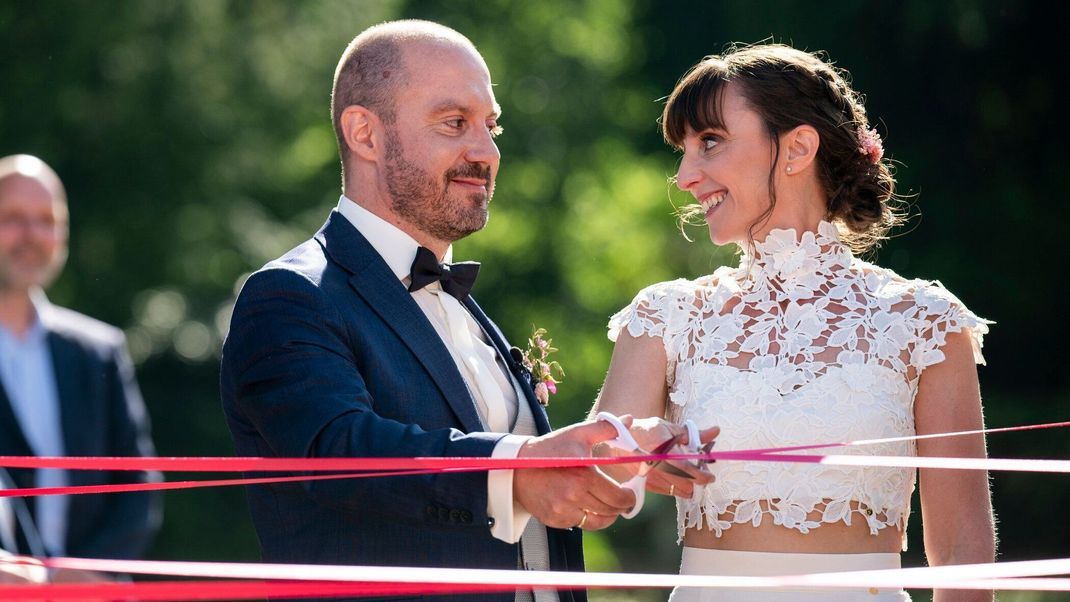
869,144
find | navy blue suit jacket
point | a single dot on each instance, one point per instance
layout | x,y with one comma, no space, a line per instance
101,414
328,355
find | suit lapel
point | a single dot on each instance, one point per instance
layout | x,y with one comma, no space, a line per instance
12,441
71,383
518,371
379,287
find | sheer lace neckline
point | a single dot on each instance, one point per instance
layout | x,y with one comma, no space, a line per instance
796,265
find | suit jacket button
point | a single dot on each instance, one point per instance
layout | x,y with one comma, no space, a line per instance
490,521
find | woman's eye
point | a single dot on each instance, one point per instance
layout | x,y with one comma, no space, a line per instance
709,142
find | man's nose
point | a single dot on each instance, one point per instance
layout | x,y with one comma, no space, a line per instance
482,149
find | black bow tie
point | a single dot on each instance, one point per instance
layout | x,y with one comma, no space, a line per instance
456,278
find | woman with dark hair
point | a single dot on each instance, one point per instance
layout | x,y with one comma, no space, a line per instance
803,342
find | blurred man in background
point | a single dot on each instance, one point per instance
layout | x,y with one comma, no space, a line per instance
68,385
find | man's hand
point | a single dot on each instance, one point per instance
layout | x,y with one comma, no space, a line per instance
649,433
26,569
580,496
15,570
79,576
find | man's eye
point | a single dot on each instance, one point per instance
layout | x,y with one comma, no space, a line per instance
457,123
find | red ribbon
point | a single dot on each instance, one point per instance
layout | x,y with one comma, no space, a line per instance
252,580
233,590
386,467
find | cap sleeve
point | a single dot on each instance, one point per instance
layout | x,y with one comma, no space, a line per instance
942,313
647,314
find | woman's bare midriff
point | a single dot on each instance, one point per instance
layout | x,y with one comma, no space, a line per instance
829,538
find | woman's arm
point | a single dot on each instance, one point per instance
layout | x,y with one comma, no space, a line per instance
956,505
635,384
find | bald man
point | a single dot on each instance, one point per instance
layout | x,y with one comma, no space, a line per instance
68,386
365,341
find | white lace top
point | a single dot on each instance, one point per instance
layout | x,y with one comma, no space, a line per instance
801,344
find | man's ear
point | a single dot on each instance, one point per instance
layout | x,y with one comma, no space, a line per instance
361,131
800,144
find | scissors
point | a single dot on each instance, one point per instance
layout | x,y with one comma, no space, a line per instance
625,441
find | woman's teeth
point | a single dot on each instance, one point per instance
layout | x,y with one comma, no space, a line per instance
713,200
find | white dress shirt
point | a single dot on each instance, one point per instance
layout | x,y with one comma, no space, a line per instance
8,541
8,545
29,378
398,250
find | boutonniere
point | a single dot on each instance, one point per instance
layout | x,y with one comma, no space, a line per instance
545,374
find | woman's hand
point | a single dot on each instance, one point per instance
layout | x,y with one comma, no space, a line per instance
672,477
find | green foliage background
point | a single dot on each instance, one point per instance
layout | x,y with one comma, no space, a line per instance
195,142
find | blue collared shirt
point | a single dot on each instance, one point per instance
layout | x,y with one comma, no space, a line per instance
29,378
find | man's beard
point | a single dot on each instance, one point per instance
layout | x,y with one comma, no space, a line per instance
424,203
41,272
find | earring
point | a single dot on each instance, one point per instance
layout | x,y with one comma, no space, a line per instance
789,169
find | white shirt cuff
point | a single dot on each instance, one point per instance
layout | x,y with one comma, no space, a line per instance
510,517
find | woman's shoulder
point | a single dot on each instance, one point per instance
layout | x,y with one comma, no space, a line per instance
933,309
928,295
660,303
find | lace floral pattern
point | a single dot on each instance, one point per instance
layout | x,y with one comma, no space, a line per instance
802,343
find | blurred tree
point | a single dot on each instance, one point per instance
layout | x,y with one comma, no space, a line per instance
195,142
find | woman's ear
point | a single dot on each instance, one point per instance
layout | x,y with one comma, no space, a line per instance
800,145
361,129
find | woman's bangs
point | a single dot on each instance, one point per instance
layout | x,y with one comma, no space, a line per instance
694,105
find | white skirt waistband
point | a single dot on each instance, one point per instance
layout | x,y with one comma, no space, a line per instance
700,561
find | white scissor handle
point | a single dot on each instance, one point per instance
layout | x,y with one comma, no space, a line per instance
638,486
693,442
624,441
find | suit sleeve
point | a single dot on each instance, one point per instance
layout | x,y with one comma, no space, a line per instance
131,520
290,369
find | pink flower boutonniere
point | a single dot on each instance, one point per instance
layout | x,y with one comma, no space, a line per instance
545,374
